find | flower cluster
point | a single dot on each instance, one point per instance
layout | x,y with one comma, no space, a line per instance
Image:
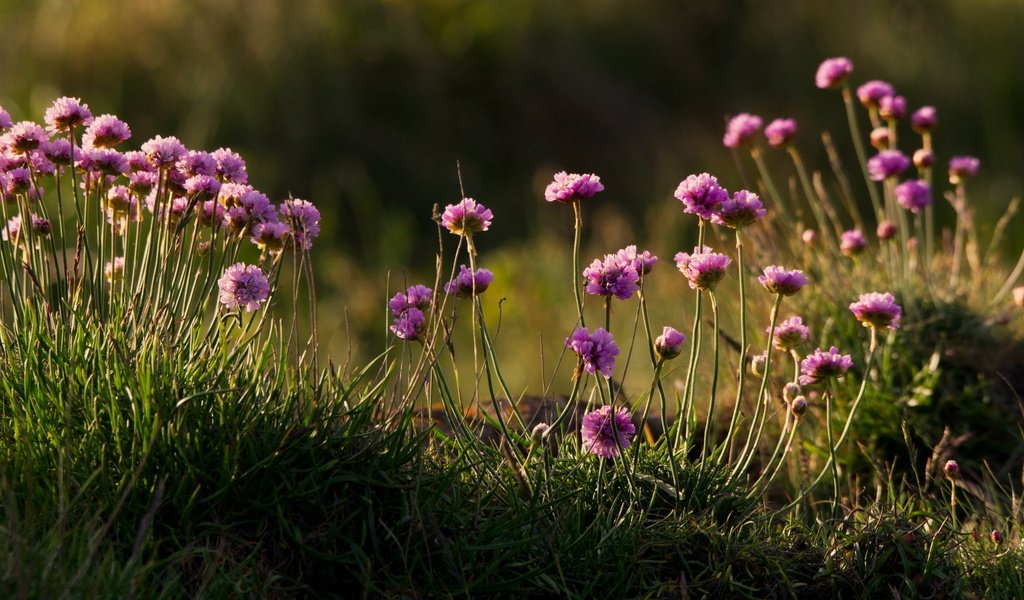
914,195
701,195
669,344
606,434
704,268
241,287
469,282
779,280
572,187
613,276
597,350
820,366
744,208
877,310
790,334
408,310
742,129
466,217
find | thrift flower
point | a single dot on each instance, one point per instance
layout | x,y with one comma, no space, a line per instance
57,151
66,113
409,325
704,268
876,310
417,296
852,242
643,262
467,217
270,237
142,182
790,391
243,287
602,437
202,187
744,208
952,470
790,334
467,282
105,161
23,137
892,107
106,131
886,164
212,214
137,161
962,168
597,350
924,119
833,72
923,158
741,129
880,138
669,344
701,195
820,365
17,181
195,162
304,219
778,280
872,92
612,277
780,132
914,195
799,406
5,119
163,151
758,363
230,166
886,230
571,187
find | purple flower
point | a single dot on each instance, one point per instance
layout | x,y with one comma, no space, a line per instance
230,166
778,280
66,113
872,92
880,138
669,344
106,131
596,350
833,72
704,268
40,164
799,406
914,195
572,187
270,237
243,286
962,168
119,200
409,325
105,161
250,208
196,162
741,129
57,151
606,435
821,365
643,263
952,470
467,217
886,164
5,119
212,214
417,296
202,187
137,161
18,181
744,208
852,242
142,182
886,230
892,107
162,151
780,132
12,232
924,119
612,277
790,334
701,195
114,271
23,137
304,219
923,158
467,282
877,310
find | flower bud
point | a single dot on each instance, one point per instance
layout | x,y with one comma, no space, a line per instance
886,230
997,537
810,237
203,249
798,406
923,158
880,138
1018,295
757,364
952,470
669,343
540,431
790,391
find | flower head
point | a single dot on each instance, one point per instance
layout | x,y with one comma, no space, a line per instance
197,162
304,219
892,107
5,119
886,164
162,151
669,344
778,280
66,113
106,161
887,230
872,92
642,262
741,129
417,296
780,132
880,137
790,334
570,187
833,72
466,217
799,406
877,310
704,268
469,282
409,325
852,242
16,181
613,276
106,131
243,287
701,195
605,434
914,194
952,470
23,137
270,237
744,208
821,365
202,187
597,350
230,166
924,119
137,162
962,168
57,151
142,182
923,158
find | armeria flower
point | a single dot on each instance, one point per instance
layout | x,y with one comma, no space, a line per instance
40,164
880,137
833,72
952,470
66,113
821,365
923,158
852,242
780,132
197,162
466,217
779,280
744,208
892,107
106,131
162,151
790,391
137,161
669,344
597,350
790,334
230,166
572,187
409,325
872,92
12,231
114,270
118,201
57,151
799,406
886,230
105,161
41,226
202,187
877,310
142,182
924,119
914,195
5,119
741,129
304,219
270,237
701,195
252,207
17,181
996,537
417,296
642,262
243,287
704,268
23,137
758,364
612,277
469,282
962,168
212,214
886,164
605,434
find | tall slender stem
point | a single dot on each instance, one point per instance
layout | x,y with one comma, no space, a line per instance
577,237
709,421
749,445
858,144
742,370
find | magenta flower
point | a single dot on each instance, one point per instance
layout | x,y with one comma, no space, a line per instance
40,164
572,187
886,164
142,182
833,72
137,161
962,168
924,119
741,129
409,325
820,365
243,287
163,151
467,217
66,113
304,219
872,92
852,242
892,107
202,187
780,132
230,166
704,268
790,334
642,262
212,214
17,181
248,208
669,344
467,282
106,131
606,435
876,310
270,237
886,230
952,470
778,280
701,195
913,195
597,350
105,161
5,119
744,208
23,137
417,296
196,162
612,277
57,151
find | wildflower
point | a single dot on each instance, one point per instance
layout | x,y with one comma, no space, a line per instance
741,129
952,470
790,391
758,364
41,227
924,119
701,195
106,131
606,435
886,230
230,166
597,350
212,214
304,219
5,120
744,208
833,72
612,277
852,242
202,187
571,187
469,282
877,310
248,208
880,138
57,151
162,151
892,107
872,92
914,195
820,365
669,344
137,161
780,132
704,268
642,262
105,161
12,231
114,270
1018,295
243,286
18,181
790,334
962,168
270,237
538,433
467,217
417,296
40,164
798,406
923,158
195,162
778,280
118,200
886,164
142,182
810,237
23,137
996,537
66,113
409,325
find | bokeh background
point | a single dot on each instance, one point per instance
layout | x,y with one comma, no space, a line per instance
366,107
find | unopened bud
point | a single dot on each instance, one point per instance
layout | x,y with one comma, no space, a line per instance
952,470
757,364
810,237
923,158
798,406
886,230
997,537
790,391
880,138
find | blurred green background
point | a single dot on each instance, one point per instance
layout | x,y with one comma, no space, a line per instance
366,107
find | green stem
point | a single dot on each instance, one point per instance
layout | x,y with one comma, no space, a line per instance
708,422
577,236
742,371
858,144
755,152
